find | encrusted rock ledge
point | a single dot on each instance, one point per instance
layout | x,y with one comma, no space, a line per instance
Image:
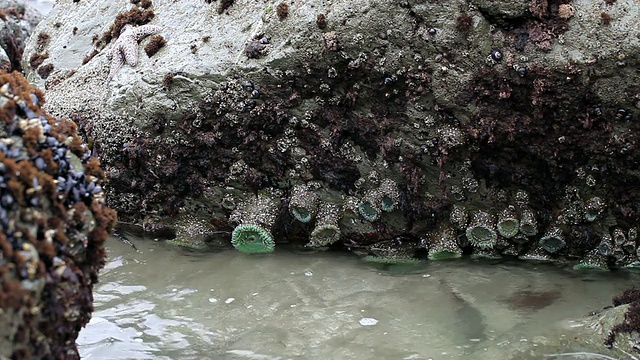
54,223
435,128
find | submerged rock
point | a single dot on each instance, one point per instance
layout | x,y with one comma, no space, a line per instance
403,115
54,222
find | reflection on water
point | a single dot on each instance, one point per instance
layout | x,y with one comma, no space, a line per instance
159,303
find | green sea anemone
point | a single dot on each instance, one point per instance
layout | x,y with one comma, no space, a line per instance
487,254
520,238
605,248
552,240
391,260
327,230
528,223
443,245
459,217
255,218
481,231
508,223
592,261
619,238
593,207
535,253
369,206
389,195
303,204
252,238
392,252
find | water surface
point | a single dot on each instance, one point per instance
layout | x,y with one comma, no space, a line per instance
159,303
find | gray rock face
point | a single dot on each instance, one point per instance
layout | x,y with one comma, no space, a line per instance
528,106
17,22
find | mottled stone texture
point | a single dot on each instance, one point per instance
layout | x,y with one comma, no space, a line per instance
17,22
487,105
54,223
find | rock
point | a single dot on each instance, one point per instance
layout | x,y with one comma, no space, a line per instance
485,107
54,223
18,21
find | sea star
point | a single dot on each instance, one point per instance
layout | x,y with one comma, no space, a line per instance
125,48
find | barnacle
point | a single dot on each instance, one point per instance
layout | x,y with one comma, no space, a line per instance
528,223
481,231
508,224
443,245
552,240
303,204
327,230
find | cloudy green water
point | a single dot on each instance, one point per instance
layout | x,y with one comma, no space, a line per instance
160,303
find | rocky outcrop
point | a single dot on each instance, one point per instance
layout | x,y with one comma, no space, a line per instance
17,22
507,128
54,223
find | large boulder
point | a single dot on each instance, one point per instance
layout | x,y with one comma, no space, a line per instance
54,223
487,127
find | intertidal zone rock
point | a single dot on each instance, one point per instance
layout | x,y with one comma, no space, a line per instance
54,223
402,128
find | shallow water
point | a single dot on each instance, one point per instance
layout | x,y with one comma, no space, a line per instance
161,303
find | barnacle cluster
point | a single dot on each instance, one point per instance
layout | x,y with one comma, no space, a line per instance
54,223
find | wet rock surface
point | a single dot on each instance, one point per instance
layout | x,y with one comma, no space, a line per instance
54,222
506,129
